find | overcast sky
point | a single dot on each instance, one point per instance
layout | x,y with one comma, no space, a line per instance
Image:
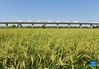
68,10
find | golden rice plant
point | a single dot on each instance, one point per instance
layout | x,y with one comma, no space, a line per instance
48,48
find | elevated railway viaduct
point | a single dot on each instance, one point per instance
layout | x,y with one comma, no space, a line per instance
91,24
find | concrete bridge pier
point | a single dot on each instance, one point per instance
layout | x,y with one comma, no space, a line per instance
45,25
7,25
32,25
91,26
57,25
20,25
69,25
80,25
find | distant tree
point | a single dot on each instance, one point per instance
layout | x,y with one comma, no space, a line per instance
28,27
13,26
43,26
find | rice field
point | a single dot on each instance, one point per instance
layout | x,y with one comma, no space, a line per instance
48,48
